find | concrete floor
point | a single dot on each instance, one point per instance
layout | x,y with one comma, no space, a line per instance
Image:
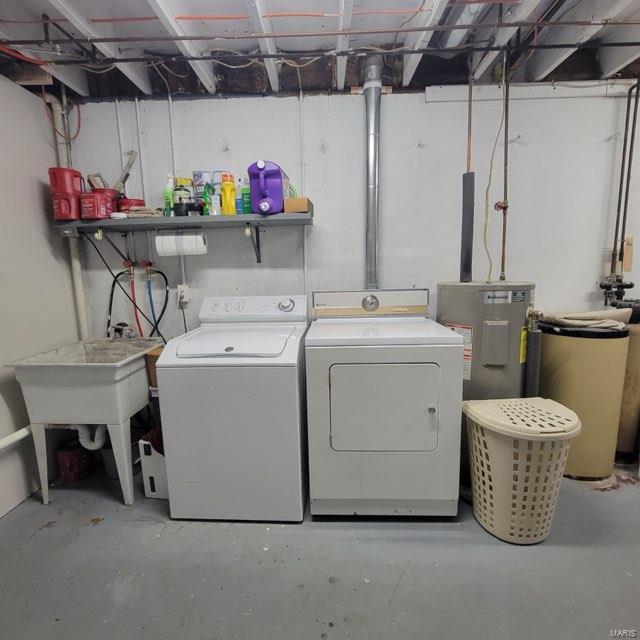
86,567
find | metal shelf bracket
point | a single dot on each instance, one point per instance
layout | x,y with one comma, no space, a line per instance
252,231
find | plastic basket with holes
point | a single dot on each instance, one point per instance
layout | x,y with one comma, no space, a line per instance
518,450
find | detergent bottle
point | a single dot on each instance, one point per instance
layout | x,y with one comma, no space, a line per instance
228,195
168,195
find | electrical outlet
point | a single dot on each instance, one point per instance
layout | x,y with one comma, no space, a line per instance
183,293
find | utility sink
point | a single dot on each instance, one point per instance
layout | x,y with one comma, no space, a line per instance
94,382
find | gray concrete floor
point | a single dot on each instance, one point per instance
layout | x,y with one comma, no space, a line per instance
86,567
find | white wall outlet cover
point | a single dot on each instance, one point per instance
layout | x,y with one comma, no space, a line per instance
183,293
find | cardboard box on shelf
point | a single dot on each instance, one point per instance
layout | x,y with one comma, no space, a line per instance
298,205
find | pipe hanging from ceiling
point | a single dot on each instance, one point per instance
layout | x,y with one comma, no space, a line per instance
372,93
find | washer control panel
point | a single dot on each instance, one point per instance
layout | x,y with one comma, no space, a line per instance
286,308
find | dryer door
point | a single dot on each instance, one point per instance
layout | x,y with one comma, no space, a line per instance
384,407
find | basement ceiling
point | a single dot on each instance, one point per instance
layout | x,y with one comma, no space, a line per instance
119,48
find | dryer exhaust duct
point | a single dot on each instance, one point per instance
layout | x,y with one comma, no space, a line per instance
372,93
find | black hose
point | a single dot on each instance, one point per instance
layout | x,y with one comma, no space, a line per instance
164,304
111,294
113,275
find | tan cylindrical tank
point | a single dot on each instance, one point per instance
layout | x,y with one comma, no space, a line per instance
630,414
584,369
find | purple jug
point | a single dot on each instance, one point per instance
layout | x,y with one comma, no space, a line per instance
269,186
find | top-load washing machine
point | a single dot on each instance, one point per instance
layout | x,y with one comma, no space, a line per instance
384,396
232,406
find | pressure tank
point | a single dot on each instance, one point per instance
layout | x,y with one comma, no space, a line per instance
492,318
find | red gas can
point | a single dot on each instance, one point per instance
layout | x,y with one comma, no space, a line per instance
66,206
65,180
95,205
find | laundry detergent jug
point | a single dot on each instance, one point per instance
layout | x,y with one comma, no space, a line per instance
268,185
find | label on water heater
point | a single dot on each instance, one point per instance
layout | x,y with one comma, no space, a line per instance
466,331
497,297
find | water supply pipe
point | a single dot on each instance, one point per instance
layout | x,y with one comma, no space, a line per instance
372,93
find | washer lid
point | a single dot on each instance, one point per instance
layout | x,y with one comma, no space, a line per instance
379,331
235,342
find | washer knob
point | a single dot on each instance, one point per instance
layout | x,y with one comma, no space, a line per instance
286,305
370,303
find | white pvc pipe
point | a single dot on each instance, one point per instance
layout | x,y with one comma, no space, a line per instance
84,435
14,437
74,250
78,289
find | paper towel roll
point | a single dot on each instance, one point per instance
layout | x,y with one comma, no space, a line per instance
181,243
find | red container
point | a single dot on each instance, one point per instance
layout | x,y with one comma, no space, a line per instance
66,206
74,461
96,206
125,204
63,180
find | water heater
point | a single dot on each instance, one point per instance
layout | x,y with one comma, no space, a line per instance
492,318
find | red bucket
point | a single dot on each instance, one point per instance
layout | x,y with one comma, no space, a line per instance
66,206
63,180
74,461
96,206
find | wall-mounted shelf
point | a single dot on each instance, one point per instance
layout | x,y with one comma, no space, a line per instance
253,222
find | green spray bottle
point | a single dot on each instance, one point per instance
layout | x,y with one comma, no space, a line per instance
168,196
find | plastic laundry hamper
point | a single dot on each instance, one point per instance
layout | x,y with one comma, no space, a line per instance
518,449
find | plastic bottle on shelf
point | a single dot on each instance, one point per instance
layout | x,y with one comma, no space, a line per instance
246,196
168,196
228,196
239,201
207,196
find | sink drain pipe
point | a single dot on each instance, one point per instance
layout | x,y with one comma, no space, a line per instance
372,92
84,435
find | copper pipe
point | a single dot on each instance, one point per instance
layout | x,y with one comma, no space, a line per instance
328,34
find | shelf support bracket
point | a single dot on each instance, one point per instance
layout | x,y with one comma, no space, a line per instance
253,232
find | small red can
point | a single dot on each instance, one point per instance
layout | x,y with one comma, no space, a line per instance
125,204
66,206
95,205
64,180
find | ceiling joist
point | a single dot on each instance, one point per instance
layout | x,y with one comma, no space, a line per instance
137,73
165,10
525,11
614,59
346,12
262,24
73,77
429,16
544,61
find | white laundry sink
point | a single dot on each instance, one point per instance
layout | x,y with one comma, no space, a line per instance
95,382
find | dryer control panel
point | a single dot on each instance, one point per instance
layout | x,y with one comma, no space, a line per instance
284,308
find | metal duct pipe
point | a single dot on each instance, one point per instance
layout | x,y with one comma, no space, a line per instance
372,92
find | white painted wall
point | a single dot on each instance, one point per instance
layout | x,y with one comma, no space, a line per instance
565,146
36,313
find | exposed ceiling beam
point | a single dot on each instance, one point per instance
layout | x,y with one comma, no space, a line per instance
73,77
614,59
137,73
544,61
346,11
165,10
430,15
525,11
262,24
461,14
